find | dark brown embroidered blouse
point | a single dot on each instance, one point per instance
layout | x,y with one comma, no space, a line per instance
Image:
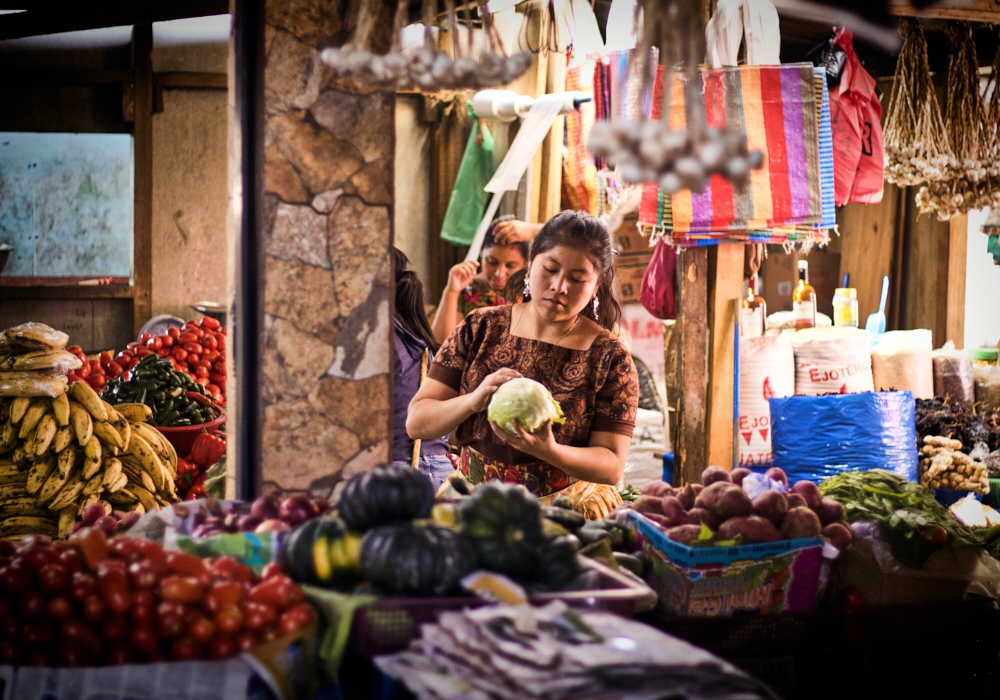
598,388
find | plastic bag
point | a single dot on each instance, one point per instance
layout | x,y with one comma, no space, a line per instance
814,437
659,282
767,370
36,336
32,384
468,196
902,362
987,387
832,361
953,375
58,360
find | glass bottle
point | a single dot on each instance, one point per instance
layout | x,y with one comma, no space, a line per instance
804,300
754,312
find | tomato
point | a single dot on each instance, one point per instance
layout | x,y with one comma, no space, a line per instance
209,342
59,608
167,341
185,649
37,634
180,354
132,347
201,629
124,357
4,607
150,550
216,378
84,371
72,560
38,556
72,377
144,337
188,565
202,380
271,570
95,366
112,582
115,629
142,352
221,340
193,359
141,574
74,656
105,359
222,594
219,367
164,353
38,657
170,619
183,589
126,549
210,323
119,655
92,543
10,653
80,633
115,370
187,337
246,641
155,343
82,586
53,577
227,567
211,356
173,331
144,639
258,615
32,605
97,382
221,647
75,349
10,628
201,372
94,608
229,619
141,614
16,578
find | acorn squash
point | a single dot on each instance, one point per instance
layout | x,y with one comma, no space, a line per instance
503,522
415,558
323,552
385,495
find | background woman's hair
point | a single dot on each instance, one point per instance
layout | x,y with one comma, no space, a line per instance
577,229
410,300
490,241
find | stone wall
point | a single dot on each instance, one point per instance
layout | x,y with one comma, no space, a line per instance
327,277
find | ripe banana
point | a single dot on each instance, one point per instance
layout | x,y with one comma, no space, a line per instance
4,407
94,485
8,438
121,495
54,484
60,408
82,424
39,472
124,430
120,483
112,470
106,433
110,410
39,407
20,457
68,494
67,459
148,459
87,499
44,434
91,457
20,406
26,525
64,436
83,393
144,496
67,516
28,444
135,412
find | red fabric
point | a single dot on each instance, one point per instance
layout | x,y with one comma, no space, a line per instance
659,283
855,117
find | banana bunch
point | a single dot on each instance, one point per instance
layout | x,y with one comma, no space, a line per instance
59,455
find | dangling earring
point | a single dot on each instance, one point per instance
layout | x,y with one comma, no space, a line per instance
597,305
527,291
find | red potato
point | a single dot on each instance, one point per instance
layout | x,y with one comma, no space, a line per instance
830,511
725,500
697,516
658,489
739,475
684,534
839,534
752,528
795,501
771,505
713,475
809,491
801,522
647,504
689,495
777,474
673,510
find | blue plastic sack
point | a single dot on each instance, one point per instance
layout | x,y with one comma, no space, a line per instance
815,437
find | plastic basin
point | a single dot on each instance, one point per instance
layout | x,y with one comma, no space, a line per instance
182,437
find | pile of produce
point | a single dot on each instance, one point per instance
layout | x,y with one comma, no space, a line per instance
192,471
269,513
94,372
718,511
957,420
75,450
33,361
943,465
909,517
173,397
90,602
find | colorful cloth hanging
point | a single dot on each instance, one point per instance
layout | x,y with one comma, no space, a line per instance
579,180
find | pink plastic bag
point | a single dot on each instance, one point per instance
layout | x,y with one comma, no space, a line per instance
659,284
855,116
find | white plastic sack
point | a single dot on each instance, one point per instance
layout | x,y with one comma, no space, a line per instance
767,370
902,362
834,360
642,466
953,375
756,20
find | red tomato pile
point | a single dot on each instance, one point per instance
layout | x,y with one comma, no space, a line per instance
94,372
90,602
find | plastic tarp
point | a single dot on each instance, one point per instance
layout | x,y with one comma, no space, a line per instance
815,437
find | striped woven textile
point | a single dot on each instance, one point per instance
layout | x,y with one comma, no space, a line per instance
579,180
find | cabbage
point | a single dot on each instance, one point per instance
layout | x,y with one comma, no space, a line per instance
526,401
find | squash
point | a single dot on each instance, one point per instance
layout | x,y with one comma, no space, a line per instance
323,552
415,558
504,525
560,564
385,495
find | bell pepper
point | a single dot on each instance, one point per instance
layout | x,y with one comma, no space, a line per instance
187,472
207,450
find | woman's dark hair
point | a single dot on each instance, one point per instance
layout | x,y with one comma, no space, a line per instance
577,229
410,300
490,241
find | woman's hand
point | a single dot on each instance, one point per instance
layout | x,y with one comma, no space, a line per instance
514,231
460,276
541,444
480,398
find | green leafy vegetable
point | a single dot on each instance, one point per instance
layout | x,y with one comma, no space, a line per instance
526,401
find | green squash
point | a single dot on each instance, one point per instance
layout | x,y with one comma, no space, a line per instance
385,495
560,564
504,525
323,552
415,558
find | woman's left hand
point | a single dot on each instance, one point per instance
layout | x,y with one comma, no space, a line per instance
541,444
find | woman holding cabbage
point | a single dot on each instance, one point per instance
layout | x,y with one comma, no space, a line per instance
560,336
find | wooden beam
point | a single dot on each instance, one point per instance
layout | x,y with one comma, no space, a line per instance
76,291
725,289
691,447
191,81
958,242
987,11
57,16
550,180
142,135
49,76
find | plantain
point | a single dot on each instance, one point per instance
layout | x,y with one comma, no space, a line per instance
110,410
112,470
148,459
94,485
44,434
27,525
8,438
83,393
91,457
106,433
39,407
124,430
39,472
4,407
120,483
63,438
144,496
28,445
21,504
67,494
135,412
60,409
20,457
18,408
81,421
161,446
146,482
67,459
121,495
67,516
54,484
107,506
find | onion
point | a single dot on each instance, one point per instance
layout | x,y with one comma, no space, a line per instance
265,508
129,519
298,509
92,513
273,525
248,523
230,522
107,524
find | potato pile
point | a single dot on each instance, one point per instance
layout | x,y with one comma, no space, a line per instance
34,362
943,465
720,503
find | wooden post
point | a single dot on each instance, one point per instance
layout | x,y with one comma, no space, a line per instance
691,452
725,283
550,182
142,135
958,243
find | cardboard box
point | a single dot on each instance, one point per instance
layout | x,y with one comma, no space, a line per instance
628,240
779,274
629,271
719,581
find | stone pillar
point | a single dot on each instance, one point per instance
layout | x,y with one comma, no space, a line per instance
326,279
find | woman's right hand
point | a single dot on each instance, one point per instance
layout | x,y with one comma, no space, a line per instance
460,276
480,398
